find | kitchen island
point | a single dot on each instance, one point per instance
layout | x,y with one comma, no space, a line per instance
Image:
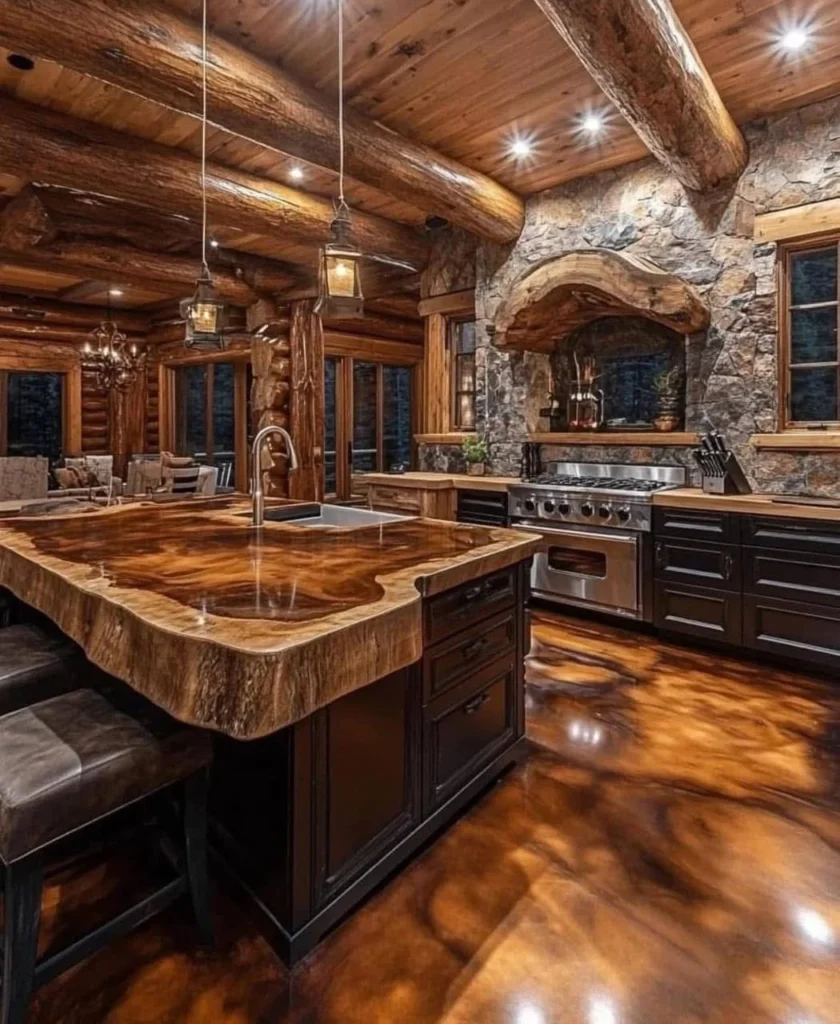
365,683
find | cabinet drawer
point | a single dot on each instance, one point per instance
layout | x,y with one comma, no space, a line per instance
698,612
792,576
703,565
464,606
446,664
792,534
808,633
466,729
407,499
696,524
485,507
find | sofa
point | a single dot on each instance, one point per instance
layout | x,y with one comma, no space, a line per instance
101,467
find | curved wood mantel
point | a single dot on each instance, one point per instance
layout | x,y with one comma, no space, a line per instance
555,298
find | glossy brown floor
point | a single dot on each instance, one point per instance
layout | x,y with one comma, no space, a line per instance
669,854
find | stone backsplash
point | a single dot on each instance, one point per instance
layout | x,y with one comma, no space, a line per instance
731,369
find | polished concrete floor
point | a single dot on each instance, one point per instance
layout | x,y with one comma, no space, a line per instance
670,854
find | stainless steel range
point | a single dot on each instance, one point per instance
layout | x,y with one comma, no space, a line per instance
595,521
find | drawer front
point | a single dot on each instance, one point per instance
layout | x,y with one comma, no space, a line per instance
466,729
812,536
448,663
697,564
464,606
480,506
807,633
695,524
479,520
407,499
792,576
698,612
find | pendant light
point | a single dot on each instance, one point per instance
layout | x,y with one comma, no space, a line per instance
339,266
204,313
107,354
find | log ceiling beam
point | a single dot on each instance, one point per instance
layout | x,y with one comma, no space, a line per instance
56,149
152,51
65,314
644,60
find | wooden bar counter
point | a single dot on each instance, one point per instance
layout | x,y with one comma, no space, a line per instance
376,673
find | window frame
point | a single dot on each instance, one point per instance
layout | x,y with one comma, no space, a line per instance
16,356
439,312
787,251
452,324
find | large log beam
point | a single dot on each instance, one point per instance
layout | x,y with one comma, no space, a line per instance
644,60
65,314
52,148
152,51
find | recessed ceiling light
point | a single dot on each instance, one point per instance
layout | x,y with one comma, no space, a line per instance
20,62
214,244
296,173
521,148
794,39
115,292
592,123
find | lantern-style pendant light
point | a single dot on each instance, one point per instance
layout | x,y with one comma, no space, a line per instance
339,267
204,313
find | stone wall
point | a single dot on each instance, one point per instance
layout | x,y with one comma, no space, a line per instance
731,369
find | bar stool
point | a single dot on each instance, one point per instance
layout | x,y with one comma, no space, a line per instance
65,764
35,663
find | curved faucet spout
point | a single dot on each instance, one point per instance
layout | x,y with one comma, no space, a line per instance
257,496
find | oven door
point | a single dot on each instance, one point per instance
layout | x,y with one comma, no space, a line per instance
591,567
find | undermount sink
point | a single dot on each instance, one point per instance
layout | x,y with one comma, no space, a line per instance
342,515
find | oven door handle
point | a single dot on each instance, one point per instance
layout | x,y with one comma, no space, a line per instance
619,538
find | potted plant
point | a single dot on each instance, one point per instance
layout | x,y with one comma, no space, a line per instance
476,453
668,387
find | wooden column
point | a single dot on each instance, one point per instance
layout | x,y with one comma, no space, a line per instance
128,424
645,61
270,389
307,408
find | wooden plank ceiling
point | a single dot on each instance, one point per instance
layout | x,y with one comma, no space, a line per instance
464,76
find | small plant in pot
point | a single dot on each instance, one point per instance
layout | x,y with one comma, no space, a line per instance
476,453
668,387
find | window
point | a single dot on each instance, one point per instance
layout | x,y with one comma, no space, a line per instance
32,407
462,344
368,419
211,417
809,359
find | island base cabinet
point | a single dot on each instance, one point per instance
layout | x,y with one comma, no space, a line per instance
310,820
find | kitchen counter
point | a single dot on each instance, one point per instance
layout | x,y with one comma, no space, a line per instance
240,630
438,481
751,504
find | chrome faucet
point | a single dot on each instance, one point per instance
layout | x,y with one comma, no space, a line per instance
257,496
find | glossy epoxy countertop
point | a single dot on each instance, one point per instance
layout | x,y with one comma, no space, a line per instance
237,629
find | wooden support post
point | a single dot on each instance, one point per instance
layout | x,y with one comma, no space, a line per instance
307,408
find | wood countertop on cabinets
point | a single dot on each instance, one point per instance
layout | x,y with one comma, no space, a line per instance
438,481
235,629
750,504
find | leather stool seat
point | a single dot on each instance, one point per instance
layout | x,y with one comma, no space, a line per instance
68,761
35,663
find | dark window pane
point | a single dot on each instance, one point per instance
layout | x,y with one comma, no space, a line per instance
814,277
628,385
813,335
192,410
224,431
813,396
330,436
34,414
463,374
464,337
396,415
364,417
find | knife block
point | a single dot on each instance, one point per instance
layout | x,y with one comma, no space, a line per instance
733,480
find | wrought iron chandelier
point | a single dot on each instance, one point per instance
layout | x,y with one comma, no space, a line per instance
204,313
115,362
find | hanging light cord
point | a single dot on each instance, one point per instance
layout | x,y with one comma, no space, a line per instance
204,138
341,199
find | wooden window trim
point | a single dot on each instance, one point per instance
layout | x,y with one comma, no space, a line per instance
440,312
16,356
786,426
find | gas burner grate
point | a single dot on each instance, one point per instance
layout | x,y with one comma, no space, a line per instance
599,483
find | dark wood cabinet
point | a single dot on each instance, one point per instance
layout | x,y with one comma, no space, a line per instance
697,563
792,575
808,634
486,508
696,525
698,612
449,662
472,603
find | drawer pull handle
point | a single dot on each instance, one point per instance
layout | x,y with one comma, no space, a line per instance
727,566
472,706
660,555
474,592
475,647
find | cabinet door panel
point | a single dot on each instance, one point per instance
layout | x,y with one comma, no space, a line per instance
793,576
808,633
813,536
698,612
464,606
695,524
702,565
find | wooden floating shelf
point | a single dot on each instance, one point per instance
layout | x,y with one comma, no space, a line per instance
646,439
802,440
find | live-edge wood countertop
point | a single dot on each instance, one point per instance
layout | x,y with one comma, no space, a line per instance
750,504
236,629
438,481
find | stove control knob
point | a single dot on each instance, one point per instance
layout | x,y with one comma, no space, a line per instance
564,508
624,513
586,509
529,504
548,506
605,511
